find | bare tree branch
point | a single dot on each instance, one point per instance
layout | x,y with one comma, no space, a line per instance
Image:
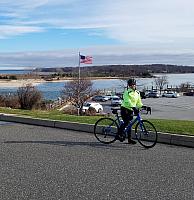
78,91
161,82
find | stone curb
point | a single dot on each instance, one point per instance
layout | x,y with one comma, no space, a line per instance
173,139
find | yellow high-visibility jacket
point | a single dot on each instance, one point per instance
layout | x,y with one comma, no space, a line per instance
131,98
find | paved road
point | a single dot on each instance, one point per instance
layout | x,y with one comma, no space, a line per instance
46,163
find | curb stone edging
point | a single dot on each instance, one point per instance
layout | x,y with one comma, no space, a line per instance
182,140
174,139
26,120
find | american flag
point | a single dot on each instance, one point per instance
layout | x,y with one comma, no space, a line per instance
86,59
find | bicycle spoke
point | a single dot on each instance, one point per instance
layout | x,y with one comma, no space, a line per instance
105,130
146,134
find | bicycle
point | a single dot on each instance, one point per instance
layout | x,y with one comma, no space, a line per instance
106,129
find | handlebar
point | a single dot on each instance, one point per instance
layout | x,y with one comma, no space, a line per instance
143,108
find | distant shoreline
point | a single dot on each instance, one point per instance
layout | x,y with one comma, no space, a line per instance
10,83
22,82
19,83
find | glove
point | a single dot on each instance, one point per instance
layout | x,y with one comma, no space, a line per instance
135,110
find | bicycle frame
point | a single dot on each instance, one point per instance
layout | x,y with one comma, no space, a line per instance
131,123
145,131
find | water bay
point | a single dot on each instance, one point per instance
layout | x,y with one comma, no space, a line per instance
52,90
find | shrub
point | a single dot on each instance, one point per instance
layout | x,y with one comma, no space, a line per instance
70,109
91,111
2,101
28,96
11,101
13,77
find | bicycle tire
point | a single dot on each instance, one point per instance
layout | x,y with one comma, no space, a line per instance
105,130
146,134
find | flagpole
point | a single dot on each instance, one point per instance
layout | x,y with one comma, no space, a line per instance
78,98
79,69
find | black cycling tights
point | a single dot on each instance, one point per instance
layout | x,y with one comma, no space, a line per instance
127,116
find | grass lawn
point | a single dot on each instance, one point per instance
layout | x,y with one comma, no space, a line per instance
162,125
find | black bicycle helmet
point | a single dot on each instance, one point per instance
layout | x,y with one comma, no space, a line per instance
131,82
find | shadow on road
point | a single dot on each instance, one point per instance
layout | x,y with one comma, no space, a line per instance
73,143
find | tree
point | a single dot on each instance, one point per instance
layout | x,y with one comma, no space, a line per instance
184,87
77,92
161,82
28,96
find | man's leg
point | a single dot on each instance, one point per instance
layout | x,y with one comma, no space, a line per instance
124,115
130,116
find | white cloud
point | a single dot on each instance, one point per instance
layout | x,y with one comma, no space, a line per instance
149,20
124,20
146,26
7,30
101,55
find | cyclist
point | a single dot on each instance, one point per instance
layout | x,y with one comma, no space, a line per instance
130,104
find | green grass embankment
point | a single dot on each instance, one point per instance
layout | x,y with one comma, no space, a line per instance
162,125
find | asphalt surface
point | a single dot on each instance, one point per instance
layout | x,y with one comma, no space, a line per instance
181,108
48,163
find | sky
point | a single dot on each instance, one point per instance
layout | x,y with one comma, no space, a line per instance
51,33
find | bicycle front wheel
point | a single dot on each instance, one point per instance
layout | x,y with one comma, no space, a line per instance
105,130
146,133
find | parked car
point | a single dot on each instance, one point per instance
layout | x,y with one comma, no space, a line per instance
153,95
97,106
116,101
108,96
112,96
170,94
188,93
100,98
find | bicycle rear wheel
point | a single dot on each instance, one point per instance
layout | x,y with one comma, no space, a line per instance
146,133
105,130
